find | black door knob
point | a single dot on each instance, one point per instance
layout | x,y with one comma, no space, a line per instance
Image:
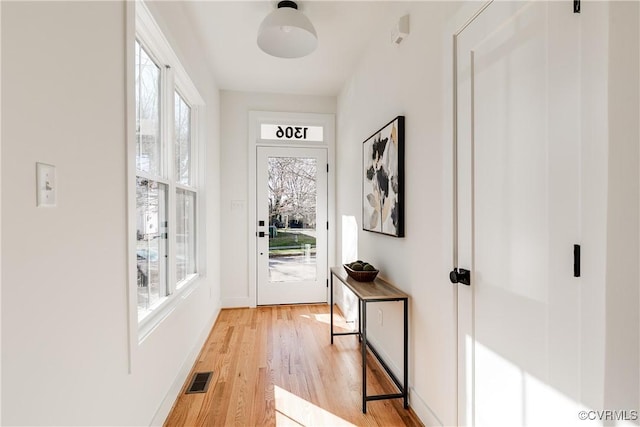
460,275
453,275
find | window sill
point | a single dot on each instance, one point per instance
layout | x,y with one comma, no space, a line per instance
186,283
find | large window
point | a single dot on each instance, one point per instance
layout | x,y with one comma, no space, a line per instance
166,179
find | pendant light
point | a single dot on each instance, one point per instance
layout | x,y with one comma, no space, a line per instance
287,33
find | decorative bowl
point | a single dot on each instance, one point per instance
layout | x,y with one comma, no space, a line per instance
361,276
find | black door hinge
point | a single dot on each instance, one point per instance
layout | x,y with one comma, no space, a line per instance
576,6
327,167
327,283
576,260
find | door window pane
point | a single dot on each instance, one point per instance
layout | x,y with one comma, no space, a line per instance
147,88
151,243
185,234
183,140
292,219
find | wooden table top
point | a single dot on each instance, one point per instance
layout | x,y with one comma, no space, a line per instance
369,291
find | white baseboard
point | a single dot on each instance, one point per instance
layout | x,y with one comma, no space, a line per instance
419,406
417,403
397,371
422,410
165,407
237,302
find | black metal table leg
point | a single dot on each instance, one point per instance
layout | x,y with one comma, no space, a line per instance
364,357
406,354
331,302
359,321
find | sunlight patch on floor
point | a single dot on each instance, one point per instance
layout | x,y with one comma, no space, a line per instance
338,320
292,410
322,318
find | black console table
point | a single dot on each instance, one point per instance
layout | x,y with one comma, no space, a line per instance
368,292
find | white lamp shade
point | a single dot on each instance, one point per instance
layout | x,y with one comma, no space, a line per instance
287,33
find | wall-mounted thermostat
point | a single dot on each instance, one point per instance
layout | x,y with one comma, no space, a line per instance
46,184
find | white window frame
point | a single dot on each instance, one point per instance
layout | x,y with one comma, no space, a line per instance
174,79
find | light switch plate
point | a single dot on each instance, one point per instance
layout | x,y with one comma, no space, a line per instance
46,184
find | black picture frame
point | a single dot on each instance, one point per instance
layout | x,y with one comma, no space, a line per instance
383,180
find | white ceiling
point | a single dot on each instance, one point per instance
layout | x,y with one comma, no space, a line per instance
228,30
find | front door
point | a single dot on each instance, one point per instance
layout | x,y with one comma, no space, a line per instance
292,225
518,136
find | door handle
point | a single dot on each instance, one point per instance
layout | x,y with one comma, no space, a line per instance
460,276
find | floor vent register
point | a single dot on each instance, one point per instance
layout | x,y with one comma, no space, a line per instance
199,382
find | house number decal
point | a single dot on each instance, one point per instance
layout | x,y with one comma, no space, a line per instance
291,132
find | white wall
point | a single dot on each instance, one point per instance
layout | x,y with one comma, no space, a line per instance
413,79
234,117
64,282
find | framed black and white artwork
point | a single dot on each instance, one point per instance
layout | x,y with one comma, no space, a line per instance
383,181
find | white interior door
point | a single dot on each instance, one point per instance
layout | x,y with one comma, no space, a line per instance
292,225
518,145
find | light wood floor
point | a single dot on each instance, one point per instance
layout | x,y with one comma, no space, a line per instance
276,366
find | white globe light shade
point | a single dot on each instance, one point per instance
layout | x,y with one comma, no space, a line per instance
287,33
